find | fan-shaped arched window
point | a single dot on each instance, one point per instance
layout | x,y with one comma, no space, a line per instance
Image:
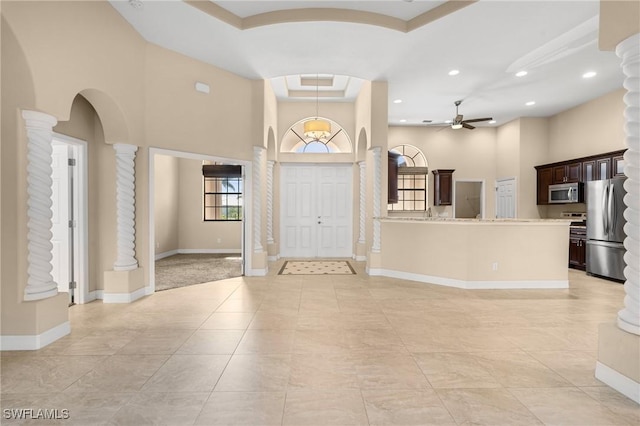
413,179
294,140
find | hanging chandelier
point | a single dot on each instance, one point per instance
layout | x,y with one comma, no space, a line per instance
317,129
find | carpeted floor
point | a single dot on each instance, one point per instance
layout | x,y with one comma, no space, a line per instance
181,270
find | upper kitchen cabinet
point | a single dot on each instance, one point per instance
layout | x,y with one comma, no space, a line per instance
617,165
586,169
566,173
442,187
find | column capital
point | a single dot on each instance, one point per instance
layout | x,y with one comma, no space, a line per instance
125,148
39,119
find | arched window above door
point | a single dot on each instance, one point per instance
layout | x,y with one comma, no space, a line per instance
413,179
295,141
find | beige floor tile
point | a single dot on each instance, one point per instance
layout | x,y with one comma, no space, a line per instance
265,320
239,306
319,341
102,343
616,402
89,408
255,373
567,406
119,373
455,370
406,407
227,321
389,371
491,407
161,408
436,340
343,321
576,366
518,369
324,408
44,374
187,373
156,342
266,342
323,371
211,342
242,408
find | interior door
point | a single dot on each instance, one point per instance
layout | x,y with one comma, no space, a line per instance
316,213
60,198
506,199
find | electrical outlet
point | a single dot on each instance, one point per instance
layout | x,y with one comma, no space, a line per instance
494,266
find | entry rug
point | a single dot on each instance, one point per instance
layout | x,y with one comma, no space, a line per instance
316,267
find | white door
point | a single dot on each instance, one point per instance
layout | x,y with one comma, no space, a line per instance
506,198
60,198
316,218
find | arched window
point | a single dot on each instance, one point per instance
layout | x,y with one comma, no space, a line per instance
413,179
295,141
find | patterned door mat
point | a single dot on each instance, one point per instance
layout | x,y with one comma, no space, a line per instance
316,267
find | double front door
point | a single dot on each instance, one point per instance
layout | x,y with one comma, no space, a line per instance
316,210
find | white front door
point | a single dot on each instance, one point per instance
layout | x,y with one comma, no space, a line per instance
316,211
506,198
60,230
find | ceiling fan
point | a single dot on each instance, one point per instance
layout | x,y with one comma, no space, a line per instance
458,122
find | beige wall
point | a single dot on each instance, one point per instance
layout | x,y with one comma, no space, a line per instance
471,153
534,147
166,202
591,128
468,199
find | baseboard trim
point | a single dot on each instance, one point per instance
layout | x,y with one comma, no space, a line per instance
124,297
166,254
470,285
34,342
256,272
360,258
618,381
97,295
162,255
273,258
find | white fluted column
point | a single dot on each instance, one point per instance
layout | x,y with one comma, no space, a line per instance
40,283
270,165
257,198
629,51
377,196
125,207
363,193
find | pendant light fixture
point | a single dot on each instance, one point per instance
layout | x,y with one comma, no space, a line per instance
316,128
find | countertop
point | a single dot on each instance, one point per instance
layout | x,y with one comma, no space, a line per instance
562,222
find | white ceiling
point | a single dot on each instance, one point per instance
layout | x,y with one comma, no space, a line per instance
488,41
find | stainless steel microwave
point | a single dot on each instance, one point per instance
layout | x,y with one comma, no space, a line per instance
565,193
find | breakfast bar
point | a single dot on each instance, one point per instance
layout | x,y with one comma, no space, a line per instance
474,253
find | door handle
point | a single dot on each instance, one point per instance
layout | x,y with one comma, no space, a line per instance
610,212
604,213
319,222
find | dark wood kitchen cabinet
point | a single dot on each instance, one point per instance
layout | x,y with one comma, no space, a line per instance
545,178
617,165
442,187
578,249
567,173
392,178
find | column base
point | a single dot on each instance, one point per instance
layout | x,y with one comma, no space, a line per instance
123,286
374,263
259,264
618,355
361,252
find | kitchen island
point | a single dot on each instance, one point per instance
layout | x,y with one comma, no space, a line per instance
474,253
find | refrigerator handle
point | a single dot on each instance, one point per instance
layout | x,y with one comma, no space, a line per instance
610,210
604,210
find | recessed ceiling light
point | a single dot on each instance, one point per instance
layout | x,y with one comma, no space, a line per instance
403,121
454,72
492,122
521,73
530,103
397,101
589,74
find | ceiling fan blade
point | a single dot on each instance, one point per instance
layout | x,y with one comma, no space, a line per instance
458,118
468,126
476,120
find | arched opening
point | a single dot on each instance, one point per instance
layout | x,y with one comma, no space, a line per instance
295,141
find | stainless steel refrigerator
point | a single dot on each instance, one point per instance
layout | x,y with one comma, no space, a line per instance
605,234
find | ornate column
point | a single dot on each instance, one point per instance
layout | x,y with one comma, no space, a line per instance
377,195
257,199
629,51
363,206
270,165
40,284
125,206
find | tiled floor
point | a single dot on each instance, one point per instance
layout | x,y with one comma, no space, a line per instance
329,350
